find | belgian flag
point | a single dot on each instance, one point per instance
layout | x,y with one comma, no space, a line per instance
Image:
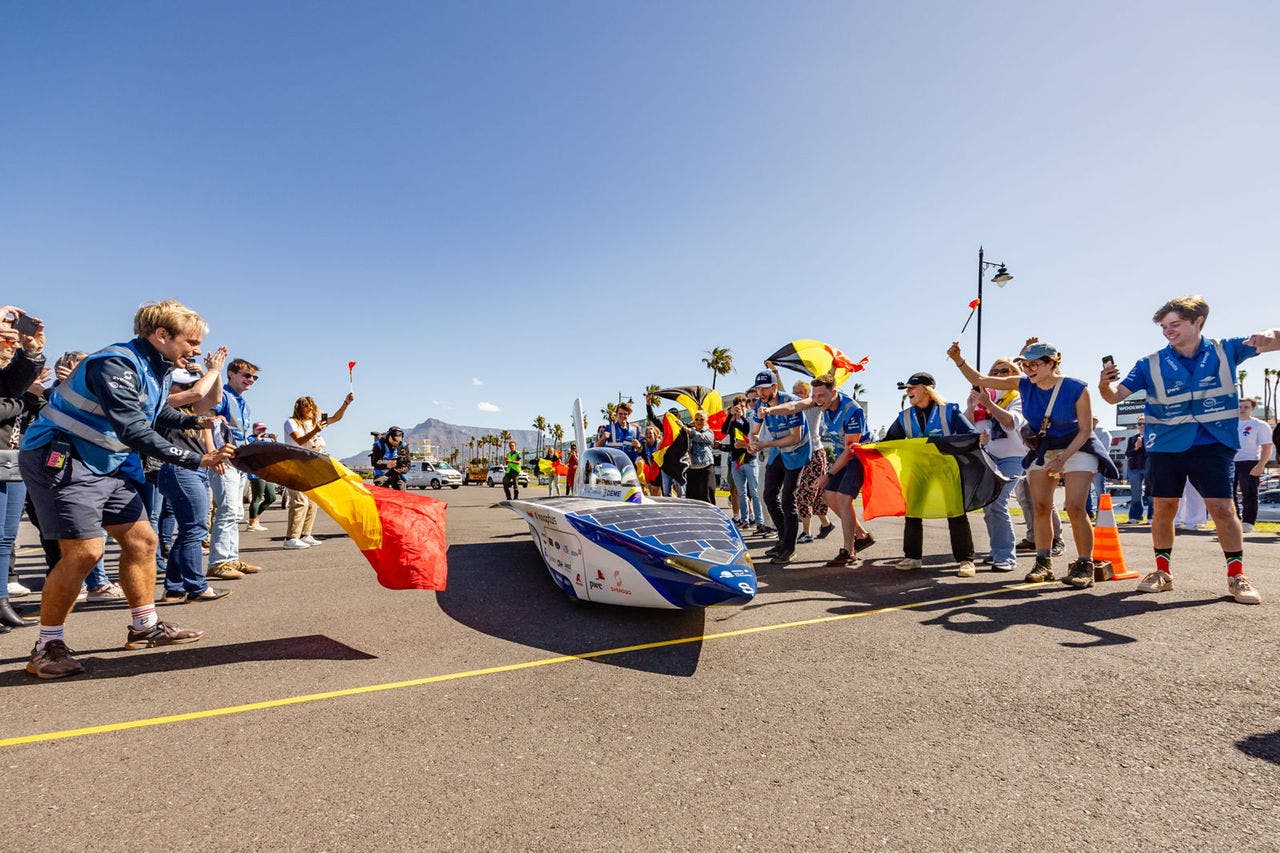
401,535
941,477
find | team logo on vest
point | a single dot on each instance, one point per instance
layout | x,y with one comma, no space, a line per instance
1212,404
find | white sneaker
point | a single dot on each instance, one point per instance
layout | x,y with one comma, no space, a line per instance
295,544
310,540
906,564
1246,527
1156,582
17,590
1242,591
83,596
967,569
256,527
110,592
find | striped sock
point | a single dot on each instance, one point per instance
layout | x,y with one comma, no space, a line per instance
1163,558
48,633
144,617
1235,563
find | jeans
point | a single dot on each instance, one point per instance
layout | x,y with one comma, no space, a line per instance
1096,490
188,493
1136,495
154,503
672,486
12,496
511,485
747,479
996,514
780,498
224,538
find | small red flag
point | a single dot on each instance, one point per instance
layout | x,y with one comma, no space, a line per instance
975,303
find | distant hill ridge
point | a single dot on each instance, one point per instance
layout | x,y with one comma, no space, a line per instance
445,436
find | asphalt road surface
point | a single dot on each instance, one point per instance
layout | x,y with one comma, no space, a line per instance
841,710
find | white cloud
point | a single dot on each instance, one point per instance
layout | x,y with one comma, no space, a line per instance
476,381
444,404
487,407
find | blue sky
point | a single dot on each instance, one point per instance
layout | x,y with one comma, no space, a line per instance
503,206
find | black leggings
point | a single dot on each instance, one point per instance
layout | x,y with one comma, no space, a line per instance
1246,490
698,484
958,527
780,498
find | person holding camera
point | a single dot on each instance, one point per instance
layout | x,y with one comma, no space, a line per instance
21,364
390,458
303,430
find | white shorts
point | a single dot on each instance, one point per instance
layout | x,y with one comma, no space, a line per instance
1078,461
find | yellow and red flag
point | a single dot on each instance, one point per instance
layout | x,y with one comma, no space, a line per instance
401,535
941,477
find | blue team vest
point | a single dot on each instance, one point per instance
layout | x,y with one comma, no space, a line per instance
74,411
936,424
1178,402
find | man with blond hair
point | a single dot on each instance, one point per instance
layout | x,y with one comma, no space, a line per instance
80,460
1191,433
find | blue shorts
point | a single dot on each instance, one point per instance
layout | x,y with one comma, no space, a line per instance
848,480
1209,467
72,502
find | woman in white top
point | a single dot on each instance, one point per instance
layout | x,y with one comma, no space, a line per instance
998,418
303,430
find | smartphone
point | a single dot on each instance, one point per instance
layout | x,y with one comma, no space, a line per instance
26,324
1108,361
324,417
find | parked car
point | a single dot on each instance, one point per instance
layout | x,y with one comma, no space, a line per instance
1119,492
496,473
437,475
1269,505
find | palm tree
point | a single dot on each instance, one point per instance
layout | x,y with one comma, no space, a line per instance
540,424
1242,374
471,446
557,435
607,411
720,362
858,392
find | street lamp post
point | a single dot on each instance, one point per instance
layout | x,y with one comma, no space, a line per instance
1001,277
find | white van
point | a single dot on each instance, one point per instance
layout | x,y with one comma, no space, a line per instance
435,474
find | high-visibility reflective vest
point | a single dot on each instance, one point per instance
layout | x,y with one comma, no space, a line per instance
1179,402
938,422
73,410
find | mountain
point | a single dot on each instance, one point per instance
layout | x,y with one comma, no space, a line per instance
444,437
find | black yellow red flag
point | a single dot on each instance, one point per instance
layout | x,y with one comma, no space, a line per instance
941,477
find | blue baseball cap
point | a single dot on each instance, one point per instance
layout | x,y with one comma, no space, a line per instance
764,378
1038,351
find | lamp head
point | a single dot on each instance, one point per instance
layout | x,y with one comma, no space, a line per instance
1002,276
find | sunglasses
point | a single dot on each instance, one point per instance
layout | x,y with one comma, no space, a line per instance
1002,371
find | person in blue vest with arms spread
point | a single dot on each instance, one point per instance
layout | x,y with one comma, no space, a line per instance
73,460
929,415
1192,430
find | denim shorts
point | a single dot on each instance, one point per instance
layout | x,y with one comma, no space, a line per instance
1209,467
73,502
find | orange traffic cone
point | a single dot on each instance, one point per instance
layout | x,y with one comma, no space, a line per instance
1107,556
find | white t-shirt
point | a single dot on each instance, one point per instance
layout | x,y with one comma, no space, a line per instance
1253,434
1011,444
302,427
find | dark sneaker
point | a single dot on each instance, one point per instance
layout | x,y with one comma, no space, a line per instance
211,593
825,530
1058,547
781,558
763,530
770,552
864,543
1041,572
840,560
54,661
170,596
161,634
1080,574
1025,545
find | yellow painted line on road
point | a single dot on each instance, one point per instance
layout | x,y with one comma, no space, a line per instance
474,673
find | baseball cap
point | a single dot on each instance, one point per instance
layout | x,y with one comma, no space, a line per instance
259,425
917,379
764,378
1036,351
395,430
182,376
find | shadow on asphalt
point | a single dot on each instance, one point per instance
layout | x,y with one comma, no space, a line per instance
502,589
1266,747
1075,612
195,656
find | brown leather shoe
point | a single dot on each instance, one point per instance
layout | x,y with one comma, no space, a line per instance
242,566
225,571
